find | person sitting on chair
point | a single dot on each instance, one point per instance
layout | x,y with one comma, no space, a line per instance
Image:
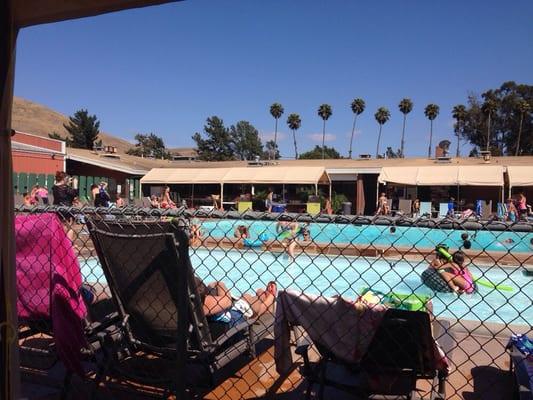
220,306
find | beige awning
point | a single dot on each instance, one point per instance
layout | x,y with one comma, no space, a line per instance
480,175
185,175
400,175
444,175
438,175
254,175
520,175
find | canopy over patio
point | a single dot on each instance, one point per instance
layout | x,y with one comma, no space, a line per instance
445,175
520,175
251,175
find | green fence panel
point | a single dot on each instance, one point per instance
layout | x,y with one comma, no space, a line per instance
50,180
136,188
23,182
32,181
15,183
41,179
82,185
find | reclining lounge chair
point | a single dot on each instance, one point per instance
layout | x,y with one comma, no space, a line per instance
152,282
400,354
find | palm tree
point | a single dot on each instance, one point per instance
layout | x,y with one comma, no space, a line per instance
294,123
523,108
459,113
431,111
276,110
324,112
358,106
382,115
405,106
489,107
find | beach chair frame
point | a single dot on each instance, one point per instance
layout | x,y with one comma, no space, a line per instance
171,246
400,352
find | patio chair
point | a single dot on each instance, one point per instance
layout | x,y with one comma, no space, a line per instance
443,210
144,271
521,366
400,354
405,206
425,208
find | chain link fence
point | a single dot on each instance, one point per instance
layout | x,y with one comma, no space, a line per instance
148,302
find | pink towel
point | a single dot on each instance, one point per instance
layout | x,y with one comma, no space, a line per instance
48,282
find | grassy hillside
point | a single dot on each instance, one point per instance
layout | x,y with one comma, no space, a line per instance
40,120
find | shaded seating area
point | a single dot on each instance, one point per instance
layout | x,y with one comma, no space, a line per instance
364,349
152,283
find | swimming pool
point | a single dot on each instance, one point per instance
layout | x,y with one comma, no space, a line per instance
410,237
243,271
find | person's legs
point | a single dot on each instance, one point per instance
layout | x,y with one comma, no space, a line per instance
263,301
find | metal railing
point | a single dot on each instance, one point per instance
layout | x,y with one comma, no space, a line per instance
99,296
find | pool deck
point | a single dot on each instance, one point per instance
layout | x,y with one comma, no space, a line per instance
479,370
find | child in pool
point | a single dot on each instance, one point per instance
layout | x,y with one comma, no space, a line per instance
457,274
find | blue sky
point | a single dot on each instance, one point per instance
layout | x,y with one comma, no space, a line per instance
165,69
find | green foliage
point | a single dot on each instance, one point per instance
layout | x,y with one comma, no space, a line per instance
55,135
336,201
390,153
507,122
149,145
405,106
276,110
217,144
325,111
459,113
316,153
271,151
294,122
83,129
358,106
431,111
382,115
245,141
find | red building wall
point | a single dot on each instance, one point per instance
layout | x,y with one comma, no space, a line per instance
37,163
39,141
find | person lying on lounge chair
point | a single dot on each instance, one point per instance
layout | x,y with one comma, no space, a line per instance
221,306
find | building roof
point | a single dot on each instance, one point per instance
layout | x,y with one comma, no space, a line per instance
140,166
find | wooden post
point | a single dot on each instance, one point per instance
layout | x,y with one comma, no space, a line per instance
9,361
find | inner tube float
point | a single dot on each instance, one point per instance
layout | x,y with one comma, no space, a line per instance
433,280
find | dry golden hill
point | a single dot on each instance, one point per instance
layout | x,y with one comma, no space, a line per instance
40,120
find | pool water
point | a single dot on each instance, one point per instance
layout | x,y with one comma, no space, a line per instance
244,271
379,235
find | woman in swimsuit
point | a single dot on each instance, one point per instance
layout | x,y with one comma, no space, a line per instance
449,276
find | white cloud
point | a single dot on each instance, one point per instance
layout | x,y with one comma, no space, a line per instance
266,136
357,133
317,137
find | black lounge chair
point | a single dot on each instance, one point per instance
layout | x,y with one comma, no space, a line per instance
401,353
151,279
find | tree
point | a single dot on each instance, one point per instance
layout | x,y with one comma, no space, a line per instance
358,106
405,106
294,122
382,115
217,144
390,153
149,145
489,107
523,108
271,150
245,141
55,135
324,112
276,110
505,121
316,153
431,111
459,114
83,129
